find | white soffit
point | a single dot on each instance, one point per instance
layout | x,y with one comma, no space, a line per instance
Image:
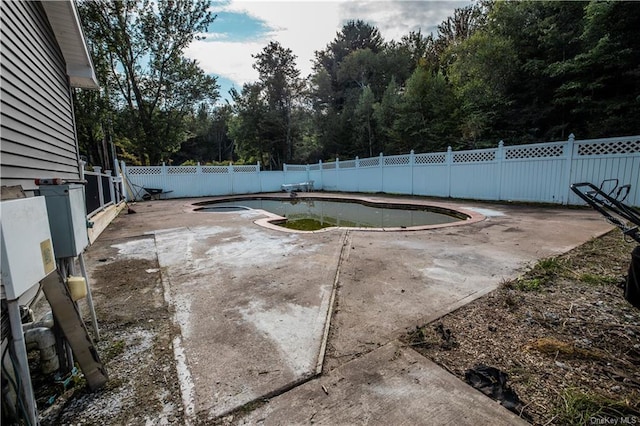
65,22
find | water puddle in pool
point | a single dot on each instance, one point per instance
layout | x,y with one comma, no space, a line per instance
313,214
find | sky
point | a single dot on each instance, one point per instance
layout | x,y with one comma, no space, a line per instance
243,28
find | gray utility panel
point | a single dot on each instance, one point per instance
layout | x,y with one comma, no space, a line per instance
67,218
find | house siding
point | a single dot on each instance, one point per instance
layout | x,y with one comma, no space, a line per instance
36,123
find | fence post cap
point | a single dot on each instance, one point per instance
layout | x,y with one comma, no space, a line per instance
501,144
572,137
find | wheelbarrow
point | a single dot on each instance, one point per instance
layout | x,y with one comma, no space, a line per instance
627,218
153,193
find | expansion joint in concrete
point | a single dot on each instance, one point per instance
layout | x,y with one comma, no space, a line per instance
343,256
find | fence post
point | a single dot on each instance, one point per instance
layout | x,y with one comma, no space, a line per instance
449,163
568,166
381,165
284,169
111,191
500,160
358,177
230,168
412,160
165,176
97,170
337,174
198,182
123,188
259,177
321,174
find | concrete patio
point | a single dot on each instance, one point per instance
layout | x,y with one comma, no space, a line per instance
310,321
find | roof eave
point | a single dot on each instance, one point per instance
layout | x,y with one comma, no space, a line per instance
65,22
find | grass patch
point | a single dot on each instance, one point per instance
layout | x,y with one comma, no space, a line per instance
580,408
593,279
542,274
116,348
532,284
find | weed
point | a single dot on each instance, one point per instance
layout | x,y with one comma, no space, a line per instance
115,349
551,265
580,408
531,284
592,279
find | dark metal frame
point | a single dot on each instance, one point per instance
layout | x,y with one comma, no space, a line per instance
611,206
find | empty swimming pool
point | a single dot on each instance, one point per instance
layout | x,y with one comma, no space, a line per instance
314,213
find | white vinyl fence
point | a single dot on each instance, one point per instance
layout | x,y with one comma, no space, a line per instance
534,173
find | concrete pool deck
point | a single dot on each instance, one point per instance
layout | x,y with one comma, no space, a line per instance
258,308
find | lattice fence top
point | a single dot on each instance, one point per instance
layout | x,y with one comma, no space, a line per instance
614,147
440,158
181,170
474,156
396,160
215,169
370,162
294,168
143,170
326,166
314,167
347,164
544,151
245,169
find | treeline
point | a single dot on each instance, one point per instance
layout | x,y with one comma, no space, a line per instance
518,71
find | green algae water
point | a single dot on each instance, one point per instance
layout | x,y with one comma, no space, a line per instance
313,214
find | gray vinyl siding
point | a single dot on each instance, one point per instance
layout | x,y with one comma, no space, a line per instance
36,126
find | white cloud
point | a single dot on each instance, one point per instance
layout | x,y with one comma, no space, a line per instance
306,26
225,58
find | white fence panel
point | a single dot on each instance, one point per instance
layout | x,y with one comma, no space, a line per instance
315,174
397,180
348,179
536,173
296,174
329,176
215,180
271,181
370,179
431,180
537,180
614,158
474,174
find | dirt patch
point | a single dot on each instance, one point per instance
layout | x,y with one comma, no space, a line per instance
563,333
136,331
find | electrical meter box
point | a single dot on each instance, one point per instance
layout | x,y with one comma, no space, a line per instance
67,218
27,250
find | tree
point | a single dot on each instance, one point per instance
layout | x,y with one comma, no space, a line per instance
143,42
600,85
342,70
425,113
364,119
280,81
247,125
481,74
385,114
